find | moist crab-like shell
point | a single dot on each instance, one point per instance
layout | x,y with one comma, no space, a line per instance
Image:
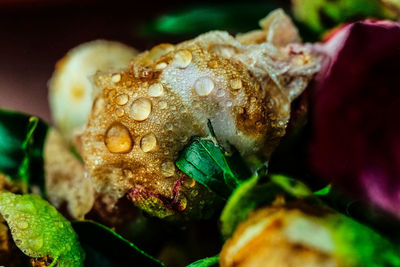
147,113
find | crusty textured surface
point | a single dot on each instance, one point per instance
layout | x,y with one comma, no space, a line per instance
65,178
147,113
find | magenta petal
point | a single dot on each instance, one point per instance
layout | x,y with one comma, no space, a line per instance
356,112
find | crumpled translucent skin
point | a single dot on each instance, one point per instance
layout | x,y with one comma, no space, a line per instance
355,113
147,113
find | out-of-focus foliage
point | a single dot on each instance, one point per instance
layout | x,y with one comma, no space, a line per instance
106,248
206,262
40,231
321,15
194,20
256,192
22,139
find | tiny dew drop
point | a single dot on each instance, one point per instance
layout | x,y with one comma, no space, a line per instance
163,105
116,78
36,243
122,99
148,142
203,86
167,168
141,109
182,59
22,224
155,90
236,84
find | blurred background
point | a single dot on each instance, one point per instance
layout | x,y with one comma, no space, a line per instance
34,34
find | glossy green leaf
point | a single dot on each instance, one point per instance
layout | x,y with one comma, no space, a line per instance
106,248
204,161
22,139
39,230
206,262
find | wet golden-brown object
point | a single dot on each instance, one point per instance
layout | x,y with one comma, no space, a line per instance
279,236
71,92
66,182
243,85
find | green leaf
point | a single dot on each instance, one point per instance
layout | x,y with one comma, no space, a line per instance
22,139
358,245
254,193
321,15
39,230
324,191
206,262
106,248
204,161
197,19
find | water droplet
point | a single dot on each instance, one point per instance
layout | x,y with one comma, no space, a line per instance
121,99
118,139
160,50
203,86
22,224
148,142
119,112
220,93
60,224
229,103
161,66
98,106
163,105
213,64
182,59
253,99
196,104
183,138
236,84
116,78
36,243
155,90
168,126
167,168
141,109
173,107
